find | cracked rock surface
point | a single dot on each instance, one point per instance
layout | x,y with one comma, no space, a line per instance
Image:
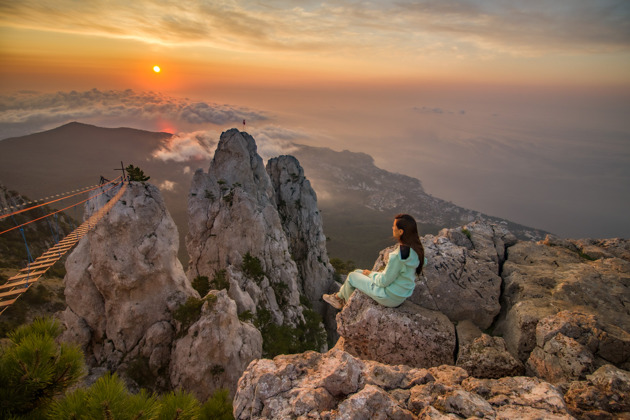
335,385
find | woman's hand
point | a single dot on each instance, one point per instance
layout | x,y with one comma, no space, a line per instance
366,272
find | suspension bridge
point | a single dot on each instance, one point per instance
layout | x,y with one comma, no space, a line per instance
18,284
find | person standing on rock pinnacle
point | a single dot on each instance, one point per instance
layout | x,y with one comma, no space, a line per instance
396,282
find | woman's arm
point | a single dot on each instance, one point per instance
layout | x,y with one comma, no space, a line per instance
392,270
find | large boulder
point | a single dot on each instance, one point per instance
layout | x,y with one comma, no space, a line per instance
542,279
484,356
234,222
215,350
335,385
520,397
603,395
571,345
408,334
461,278
124,281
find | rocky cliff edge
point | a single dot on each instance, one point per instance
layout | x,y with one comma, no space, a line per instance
497,328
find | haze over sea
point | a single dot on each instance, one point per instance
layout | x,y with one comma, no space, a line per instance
518,110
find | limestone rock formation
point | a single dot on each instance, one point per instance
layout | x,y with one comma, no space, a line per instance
484,356
335,385
408,334
124,286
542,279
234,223
216,349
570,345
461,278
302,223
124,280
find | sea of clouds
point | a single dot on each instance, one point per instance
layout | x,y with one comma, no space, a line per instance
27,112
568,177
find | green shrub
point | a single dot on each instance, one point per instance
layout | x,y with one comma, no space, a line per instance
220,281
305,302
467,233
136,174
229,197
109,398
139,370
218,406
201,284
281,291
284,339
189,312
342,267
34,368
246,316
179,405
252,268
311,333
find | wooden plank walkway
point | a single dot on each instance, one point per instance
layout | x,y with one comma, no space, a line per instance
20,283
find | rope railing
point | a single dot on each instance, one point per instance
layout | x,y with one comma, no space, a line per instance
20,283
64,197
56,211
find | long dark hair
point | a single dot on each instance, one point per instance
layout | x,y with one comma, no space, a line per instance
410,236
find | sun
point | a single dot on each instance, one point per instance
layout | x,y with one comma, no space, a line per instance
156,69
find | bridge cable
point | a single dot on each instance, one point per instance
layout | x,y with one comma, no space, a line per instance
57,211
91,188
12,289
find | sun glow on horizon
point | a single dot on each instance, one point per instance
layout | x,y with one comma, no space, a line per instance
157,69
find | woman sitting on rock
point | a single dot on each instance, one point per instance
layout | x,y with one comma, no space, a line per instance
394,284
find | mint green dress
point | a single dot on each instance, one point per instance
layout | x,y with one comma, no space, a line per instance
389,287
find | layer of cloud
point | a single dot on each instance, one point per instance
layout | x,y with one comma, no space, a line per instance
271,141
274,141
186,147
167,185
28,112
491,26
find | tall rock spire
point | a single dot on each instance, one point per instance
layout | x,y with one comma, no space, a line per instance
124,281
235,231
302,223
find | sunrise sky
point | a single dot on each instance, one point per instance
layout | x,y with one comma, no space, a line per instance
515,108
200,43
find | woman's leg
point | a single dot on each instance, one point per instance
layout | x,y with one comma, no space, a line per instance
357,280
346,289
